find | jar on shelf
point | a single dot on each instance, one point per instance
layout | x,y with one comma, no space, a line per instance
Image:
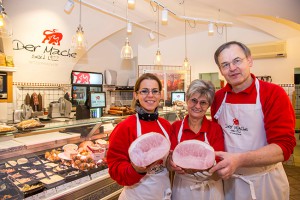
2,59
9,61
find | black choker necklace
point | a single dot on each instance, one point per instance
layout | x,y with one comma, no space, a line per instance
143,115
148,116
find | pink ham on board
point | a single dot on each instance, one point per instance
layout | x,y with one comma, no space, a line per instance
194,154
148,148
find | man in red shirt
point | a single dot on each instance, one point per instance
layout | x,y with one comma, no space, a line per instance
258,122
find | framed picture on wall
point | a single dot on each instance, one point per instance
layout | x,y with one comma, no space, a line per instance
173,78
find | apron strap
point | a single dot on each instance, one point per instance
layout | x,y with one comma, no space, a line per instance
252,190
217,115
139,129
201,185
138,126
180,133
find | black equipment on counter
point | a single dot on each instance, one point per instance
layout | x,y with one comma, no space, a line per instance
82,112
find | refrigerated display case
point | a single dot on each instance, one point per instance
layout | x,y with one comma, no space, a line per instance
84,83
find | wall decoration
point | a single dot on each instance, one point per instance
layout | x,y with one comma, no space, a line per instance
173,78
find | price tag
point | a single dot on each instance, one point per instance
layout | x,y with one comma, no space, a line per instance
69,185
50,192
77,182
95,175
41,195
85,179
103,172
61,188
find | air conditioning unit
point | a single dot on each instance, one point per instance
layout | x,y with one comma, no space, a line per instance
268,50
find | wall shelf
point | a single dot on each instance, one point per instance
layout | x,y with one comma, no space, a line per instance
7,69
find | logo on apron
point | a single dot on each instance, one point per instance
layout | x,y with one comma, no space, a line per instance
156,169
235,128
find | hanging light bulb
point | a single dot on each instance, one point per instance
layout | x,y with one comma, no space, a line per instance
5,25
157,60
126,52
78,40
186,63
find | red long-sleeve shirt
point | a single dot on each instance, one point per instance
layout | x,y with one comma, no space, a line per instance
279,116
120,168
213,131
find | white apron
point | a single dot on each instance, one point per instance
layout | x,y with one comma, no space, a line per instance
189,187
262,183
155,185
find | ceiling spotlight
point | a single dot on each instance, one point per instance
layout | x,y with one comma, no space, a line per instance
151,35
69,6
211,27
131,2
129,27
164,15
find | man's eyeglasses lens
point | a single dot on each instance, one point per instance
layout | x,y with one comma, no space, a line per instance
146,92
203,104
236,62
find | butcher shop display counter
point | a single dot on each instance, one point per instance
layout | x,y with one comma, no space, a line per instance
33,163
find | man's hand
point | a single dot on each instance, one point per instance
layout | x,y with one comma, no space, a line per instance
227,166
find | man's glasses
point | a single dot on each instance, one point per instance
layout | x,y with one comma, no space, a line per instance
235,62
146,91
203,103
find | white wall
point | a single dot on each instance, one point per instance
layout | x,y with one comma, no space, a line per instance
105,42
106,36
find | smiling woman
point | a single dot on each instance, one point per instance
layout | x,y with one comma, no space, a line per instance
141,182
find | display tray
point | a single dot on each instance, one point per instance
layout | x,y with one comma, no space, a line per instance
45,119
72,174
9,194
31,189
53,181
8,132
30,128
7,129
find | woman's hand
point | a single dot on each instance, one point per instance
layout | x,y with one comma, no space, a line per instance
172,166
144,170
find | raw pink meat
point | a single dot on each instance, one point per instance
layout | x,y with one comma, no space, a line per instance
194,154
148,148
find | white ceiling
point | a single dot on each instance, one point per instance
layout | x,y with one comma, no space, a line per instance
279,18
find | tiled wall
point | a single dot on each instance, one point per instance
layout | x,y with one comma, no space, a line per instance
52,92
49,91
297,99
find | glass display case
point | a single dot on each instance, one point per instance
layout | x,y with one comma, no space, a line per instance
27,171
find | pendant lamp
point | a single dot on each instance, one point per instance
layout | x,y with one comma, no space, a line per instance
5,25
79,41
157,60
186,61
126,52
